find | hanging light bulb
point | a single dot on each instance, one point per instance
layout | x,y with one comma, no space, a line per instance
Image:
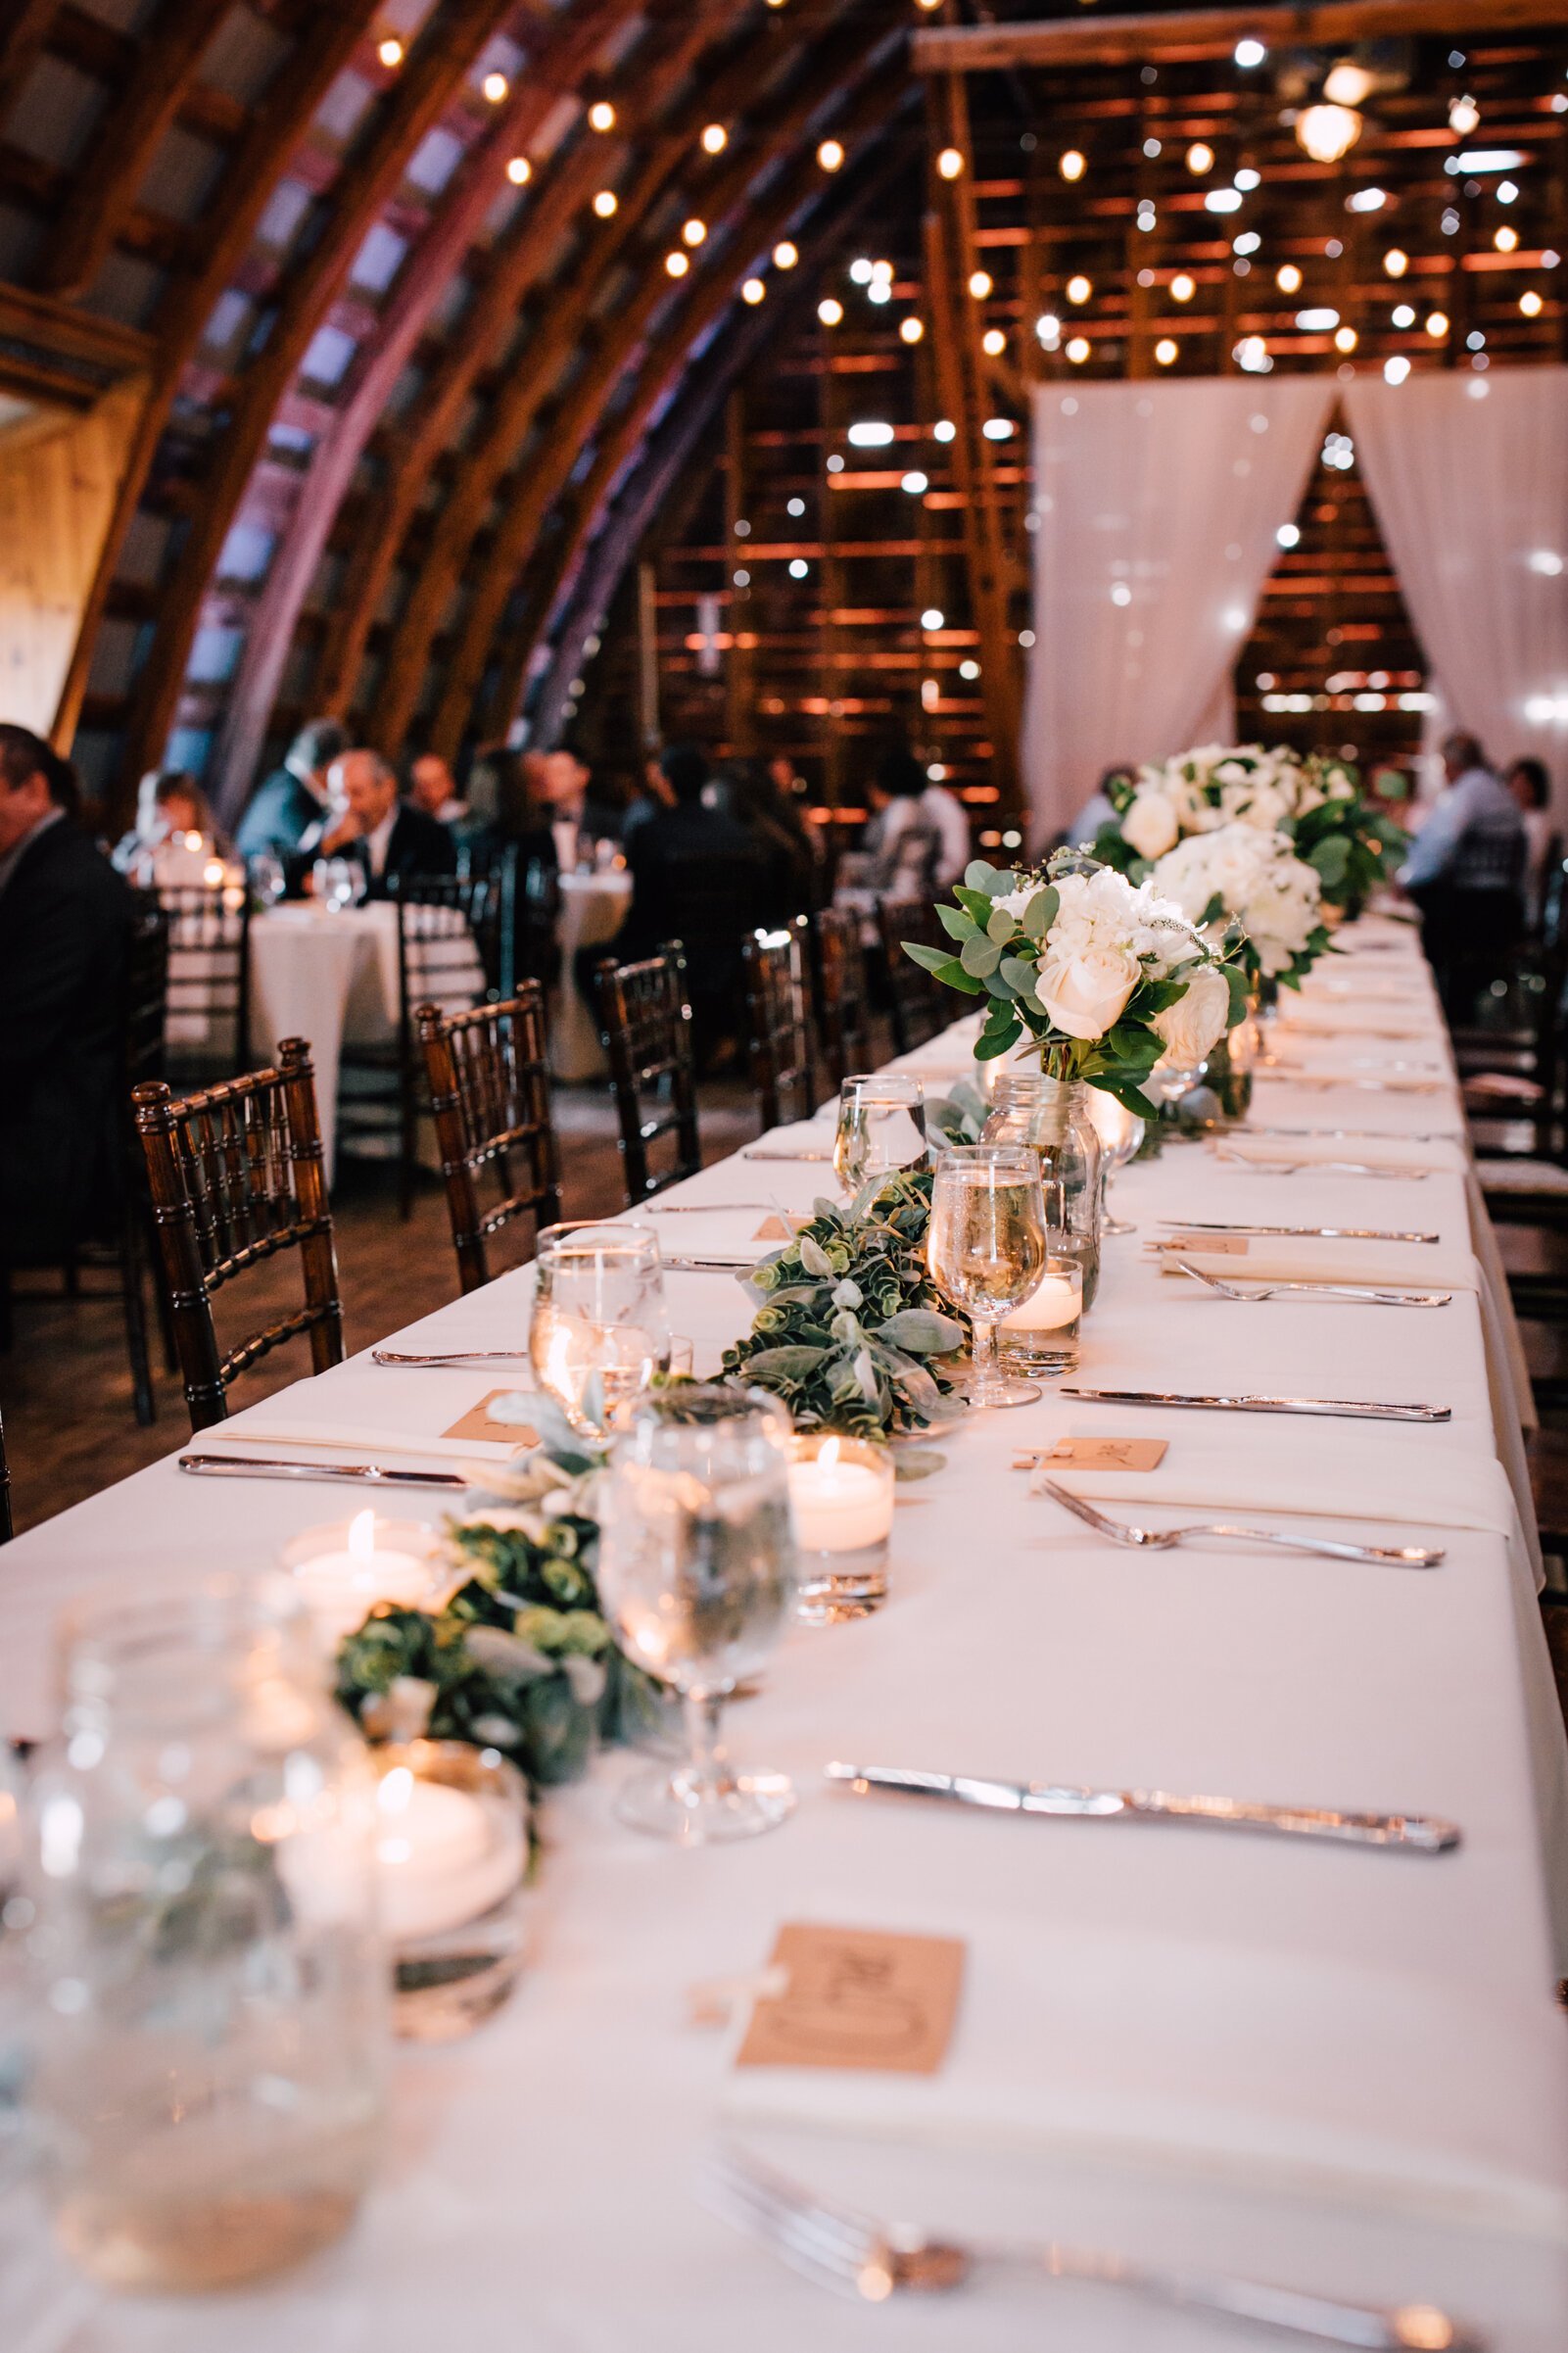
715,139
1529,303
389,52
519,171
785,254
753,291
694,231
1506,239
1078,350
677,264
1345,339
831,155
1183,287
1347,84
602,115
1079,288
1396,261
1327,133
993,342
831,311
1072,165
606,204
1167,350
1437,324
950,163
979,284
1200,156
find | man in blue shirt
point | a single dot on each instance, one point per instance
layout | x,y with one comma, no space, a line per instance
1465,872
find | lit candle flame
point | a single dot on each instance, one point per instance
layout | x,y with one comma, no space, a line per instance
829,1456
363,1536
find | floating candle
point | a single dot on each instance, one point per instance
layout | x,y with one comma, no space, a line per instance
841,1496
443,1857
1057,1303
342,1571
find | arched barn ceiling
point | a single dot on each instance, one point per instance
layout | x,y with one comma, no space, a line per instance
394,323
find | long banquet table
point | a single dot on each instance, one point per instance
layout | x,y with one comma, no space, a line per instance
1336,2067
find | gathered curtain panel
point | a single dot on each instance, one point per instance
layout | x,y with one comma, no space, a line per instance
1468,479
1157,508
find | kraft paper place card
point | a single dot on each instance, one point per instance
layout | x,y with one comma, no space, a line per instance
857,1998
774,1229
476,1423
1212,1245
1095,1454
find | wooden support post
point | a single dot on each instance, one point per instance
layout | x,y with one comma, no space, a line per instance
647,655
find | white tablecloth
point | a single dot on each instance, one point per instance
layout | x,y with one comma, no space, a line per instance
592,909
1339,2069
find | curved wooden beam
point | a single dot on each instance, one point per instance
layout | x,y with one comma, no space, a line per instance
21,44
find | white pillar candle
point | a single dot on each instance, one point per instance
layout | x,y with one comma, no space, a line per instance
838,1503
441,1856
1057,1302
343,1572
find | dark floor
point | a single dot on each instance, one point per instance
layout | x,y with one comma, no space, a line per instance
65,1384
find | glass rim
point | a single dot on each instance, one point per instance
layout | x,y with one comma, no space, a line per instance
895,1085
704,1405
958,1157
625,1239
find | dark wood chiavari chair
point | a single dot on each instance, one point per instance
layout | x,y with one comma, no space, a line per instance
843,1011
206,1027
489,1077
445,922
236,1179
915,1000
645,1027
779,1022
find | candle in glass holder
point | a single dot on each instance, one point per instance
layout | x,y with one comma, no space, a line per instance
344,1570
842,1507
451,1848
1043,1331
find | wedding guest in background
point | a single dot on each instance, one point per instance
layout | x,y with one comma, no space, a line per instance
789,849
65,920
367,823
1526,779
1099,810
655,795
169,802
903,844
1465,872
697,876
433,788
508,786
569,787
291,800
951,820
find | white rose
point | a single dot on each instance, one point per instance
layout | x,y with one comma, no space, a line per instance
1191,1026
1150,826
1084,992
1013,902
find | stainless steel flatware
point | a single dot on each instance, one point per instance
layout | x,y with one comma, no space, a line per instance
1356,1135
1164,1540
1361,1292
1294,1233
707,1265
822,1157
1423,1833
261,1466
1349,1408
849,2252
450,1356
705,1209
1321,1168
1409,1086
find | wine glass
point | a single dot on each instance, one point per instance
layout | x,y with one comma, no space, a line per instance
600,1329
987,1250
881,1127
697,1572
1120,1133
268,879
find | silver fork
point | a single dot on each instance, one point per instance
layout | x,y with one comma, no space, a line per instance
1164,1540
1331,1167
841,2248
1362,1294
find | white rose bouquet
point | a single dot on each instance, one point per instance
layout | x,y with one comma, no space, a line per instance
1105,974
1257,879
1315,799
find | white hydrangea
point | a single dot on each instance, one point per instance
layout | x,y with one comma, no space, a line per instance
1258,877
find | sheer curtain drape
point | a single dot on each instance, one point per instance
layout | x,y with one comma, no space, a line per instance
1157,508
1468,478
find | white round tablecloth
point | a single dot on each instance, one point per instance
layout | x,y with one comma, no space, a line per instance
592,910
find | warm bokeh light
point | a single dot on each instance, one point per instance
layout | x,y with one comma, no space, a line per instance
993,342
1078,350
1288,278
910,330
1396,261
1529,303
495,87
605,203
715,139
831,311
1073,163
1167,350
1200,156
1326,132
1437,324
950,163
693,231
677,264
753,290
519,171
785,254
1463,116
1183,287
390,53
1079,288
602,115
1506,239
1345,339
979,284
831,155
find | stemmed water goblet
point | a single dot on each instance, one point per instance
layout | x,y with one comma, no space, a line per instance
601,1328
988,1250
1121,1133
881,1128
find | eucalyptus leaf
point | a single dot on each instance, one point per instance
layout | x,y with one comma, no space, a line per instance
917,1462
1041,912
931,960
978,874
956,923
981,958
1000,927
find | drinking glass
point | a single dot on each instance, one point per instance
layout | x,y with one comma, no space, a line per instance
268,879
881,1127
988,1250
600,1329
332,880
696,1570
1120,1133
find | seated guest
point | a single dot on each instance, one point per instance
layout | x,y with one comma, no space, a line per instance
433,788
696,877
291,800
169,804
654,795
1465,872
569,788
65,920
366,822
903,846
787,848
1097,810
1526,779
948,814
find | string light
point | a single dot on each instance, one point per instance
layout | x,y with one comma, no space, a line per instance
753,291
1079,289
831,311
950,163
1405,315
694,230
1249,53
519,171
1345,339
785,254
602,115
993,342
911,330
1078,350
1396,370
1327,133
979,284
715,139
495,87
914,482
1347,84
1072,165
944,429
1437,324
677,264
1506,239
1463,116
932,617
1288,278
1182,287
390,53
1200,156
1165,351
831,155
606,203
1529,303
1396,261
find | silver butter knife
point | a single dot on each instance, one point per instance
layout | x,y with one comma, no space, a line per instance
456,1355
1423,1833
1351,1407
260,1466
1326,1233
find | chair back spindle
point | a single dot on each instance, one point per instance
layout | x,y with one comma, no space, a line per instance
645,1027
489,1077
843,1023
778,994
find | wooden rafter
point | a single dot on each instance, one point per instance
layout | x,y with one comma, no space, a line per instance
21,44
1198,33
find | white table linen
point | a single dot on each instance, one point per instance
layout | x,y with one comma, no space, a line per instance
1339,2069
592,909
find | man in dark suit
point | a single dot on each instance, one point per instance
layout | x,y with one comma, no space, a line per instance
366,822
65,920
696,877
291,800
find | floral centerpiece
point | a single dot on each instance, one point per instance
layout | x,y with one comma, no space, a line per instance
1103,975
1315,799
1240,874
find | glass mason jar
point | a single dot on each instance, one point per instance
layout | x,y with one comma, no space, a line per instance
1228,1066
1054,1117
213,1985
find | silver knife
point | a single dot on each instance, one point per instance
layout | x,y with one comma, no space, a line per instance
708,1266
1326,1233
1354,1408
1423,1833
260,1466
1330,1168
706,1209
826,1157
456,1356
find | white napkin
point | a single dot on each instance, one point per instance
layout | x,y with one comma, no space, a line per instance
1372,1151
1351,1014
1280,1257
1323,2079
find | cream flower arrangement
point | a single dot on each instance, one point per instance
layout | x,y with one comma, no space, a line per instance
1257,879
1103,975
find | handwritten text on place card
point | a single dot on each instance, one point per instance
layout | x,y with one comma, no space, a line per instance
858,1997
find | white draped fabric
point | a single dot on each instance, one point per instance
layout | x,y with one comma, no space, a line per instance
1468,478
1157,508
